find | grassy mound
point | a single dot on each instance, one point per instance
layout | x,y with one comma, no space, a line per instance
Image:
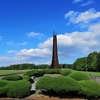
59,84
12,77
79,76
90,88
65,72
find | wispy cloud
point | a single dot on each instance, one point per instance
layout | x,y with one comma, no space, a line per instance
76,1
32,34
0,38
12,43
87,3
82,17
23,43
12,51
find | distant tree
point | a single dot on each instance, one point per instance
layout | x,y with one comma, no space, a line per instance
98,63
92,60
80,64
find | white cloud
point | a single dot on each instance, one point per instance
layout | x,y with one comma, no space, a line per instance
32,34
82,17
5,61
69,44
0,38
12,43
23,43
87,3
34,52
76,1
12,51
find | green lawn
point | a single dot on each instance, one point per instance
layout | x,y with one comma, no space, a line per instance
18,71
11,71
87,72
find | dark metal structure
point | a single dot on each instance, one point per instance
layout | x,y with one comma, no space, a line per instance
55,62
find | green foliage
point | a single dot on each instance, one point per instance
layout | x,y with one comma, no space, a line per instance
52,71
79,76
80,64
91,63
59,84
25,66
98,62
90,88
18,89
14,77
26,77
65,72
92,60
3,88
34,73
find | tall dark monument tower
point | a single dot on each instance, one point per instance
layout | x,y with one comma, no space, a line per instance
55,62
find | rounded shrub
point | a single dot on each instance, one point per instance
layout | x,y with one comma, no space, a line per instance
34,73
79,76
59,84
65,72
18,89
14,77
90,88
52,71
3,88
26,77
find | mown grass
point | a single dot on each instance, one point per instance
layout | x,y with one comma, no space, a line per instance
88,72
18,71
11,71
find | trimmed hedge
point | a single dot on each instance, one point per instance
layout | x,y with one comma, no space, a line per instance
52,71
28,78
18,89
34,73
59,84
65,72
3,88
79,76
90,88
14,77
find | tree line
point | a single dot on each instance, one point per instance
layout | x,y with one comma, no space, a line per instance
89,63
32,66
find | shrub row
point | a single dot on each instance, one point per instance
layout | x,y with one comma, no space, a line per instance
65,72
57,84
34,73
79,76
14,77
42,72
3,88
65,84
90,88
16,89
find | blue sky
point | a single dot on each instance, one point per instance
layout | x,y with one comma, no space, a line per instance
26,29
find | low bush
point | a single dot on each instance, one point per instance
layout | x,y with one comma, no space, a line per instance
34,73
59,84
3,88
65,72
28,78
14,77
79,76
18,89
52,71
90,88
